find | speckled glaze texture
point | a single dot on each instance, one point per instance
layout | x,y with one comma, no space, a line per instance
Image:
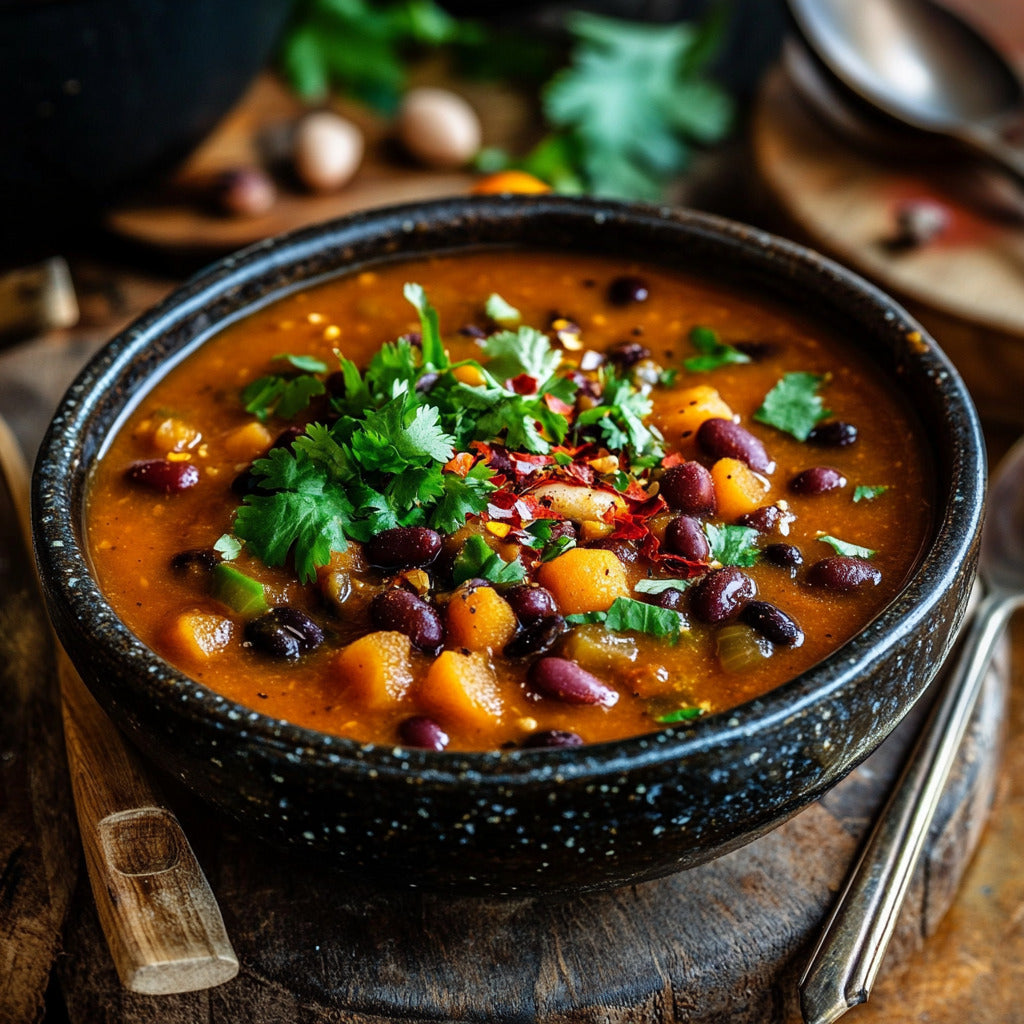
527,820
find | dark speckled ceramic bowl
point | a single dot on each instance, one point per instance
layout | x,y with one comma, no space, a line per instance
524,820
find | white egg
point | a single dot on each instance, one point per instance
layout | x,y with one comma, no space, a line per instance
326,151
438,127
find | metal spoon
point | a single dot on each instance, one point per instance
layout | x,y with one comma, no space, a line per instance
846,961
921,65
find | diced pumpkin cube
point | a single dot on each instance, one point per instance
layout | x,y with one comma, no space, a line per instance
480,619
195,636
738,488
462,691
174,435
690,408
376,669
584,580
247,441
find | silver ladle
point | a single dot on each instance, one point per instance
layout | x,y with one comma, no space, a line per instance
850,951
919,64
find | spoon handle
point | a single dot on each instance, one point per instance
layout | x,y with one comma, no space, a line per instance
988,143
844,965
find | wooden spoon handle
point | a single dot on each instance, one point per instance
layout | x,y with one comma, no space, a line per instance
158,913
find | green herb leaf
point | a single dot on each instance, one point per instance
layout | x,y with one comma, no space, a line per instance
864,492
842,547
308,364
794,405
239,592
680,715
732,545
434,354
476,559
713,352
667,378
461,497
228,547
527,350
500,311
618,420
660,586
629,614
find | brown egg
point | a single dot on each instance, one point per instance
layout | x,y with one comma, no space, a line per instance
438,127
326,151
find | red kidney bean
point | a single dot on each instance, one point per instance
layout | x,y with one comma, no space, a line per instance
621,549
403,547
535,637
553,738
672,598
626,289
843,574
402,611
685,536
284,632
530,602
725,439
772,623
689,488
833,434
817,480
420,731
785,555
625,354
721,594
163,475
564,680
764,519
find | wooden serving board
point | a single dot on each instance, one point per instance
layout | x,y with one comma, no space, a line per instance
721,943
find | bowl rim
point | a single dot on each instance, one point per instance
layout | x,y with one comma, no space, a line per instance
68,581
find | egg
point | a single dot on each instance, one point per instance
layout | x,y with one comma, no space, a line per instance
326,151
438,127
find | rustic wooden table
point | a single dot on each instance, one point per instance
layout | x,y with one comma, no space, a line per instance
972,968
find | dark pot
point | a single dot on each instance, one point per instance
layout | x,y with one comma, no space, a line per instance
524,820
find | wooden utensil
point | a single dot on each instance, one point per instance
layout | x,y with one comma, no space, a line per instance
158,913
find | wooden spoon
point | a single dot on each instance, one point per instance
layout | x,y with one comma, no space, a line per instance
158,913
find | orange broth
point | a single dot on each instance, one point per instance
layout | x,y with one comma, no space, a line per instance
194,414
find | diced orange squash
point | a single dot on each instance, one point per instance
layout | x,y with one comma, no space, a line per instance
195,636
174,435
479,619
470,375
690,408
509,181
247,441
584,580
376,669
462,691
738,488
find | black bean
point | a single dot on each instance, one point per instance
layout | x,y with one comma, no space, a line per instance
163,475
843,574
403,547
420,731
196,563
535,637
402,611
689,488
626,289
500,461
625,552
564,680
726,439
817,480
625,354
335,384
721,594
286,439
472,331
553,738
284,632
530,602
833,434
563,529
786,555
685,536
671,598
756,350
772,623
247,482
764,519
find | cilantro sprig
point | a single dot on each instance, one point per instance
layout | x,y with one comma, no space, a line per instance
868,492
626,613
476,559
285,395
714,353
793,405
732,545
842,547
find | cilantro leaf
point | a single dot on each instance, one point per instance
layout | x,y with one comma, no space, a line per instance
864,492
434,354
461,497
228,547
732,545
842,547
660,586
713,352
476,559
400,433
527,350
308,364
629,614
619,419
680,715
793,405
274,395
500,311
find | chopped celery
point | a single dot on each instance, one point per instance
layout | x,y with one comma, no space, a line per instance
239,592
